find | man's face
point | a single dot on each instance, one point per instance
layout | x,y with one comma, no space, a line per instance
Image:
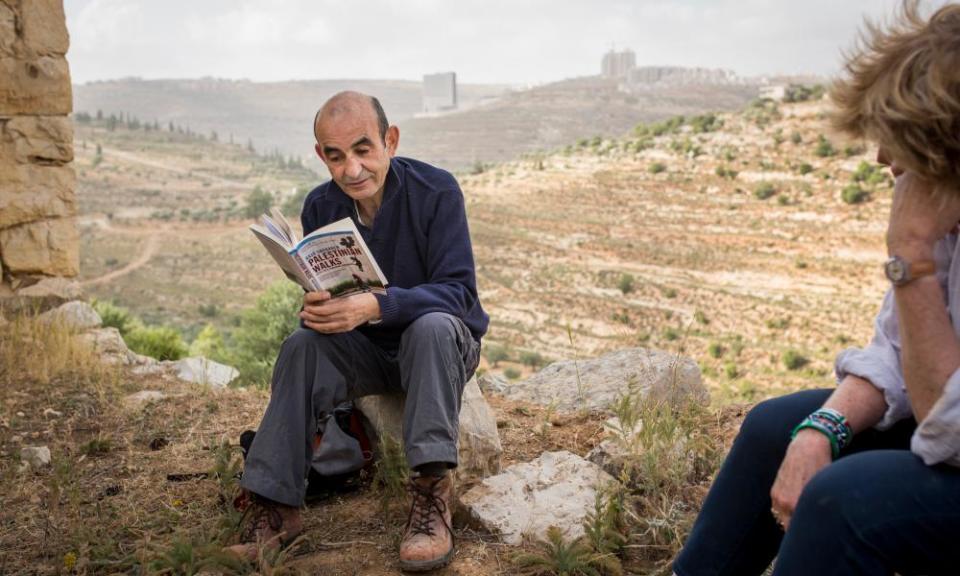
349,144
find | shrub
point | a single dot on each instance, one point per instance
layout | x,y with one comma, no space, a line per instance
115,317
531,359
259,201
511,373
495,354
794,360
209,344
764,190
715,350
294,203
730,370
804,169
263,329
853,194
657,167
626,283
796,138
160,342
824,147
724,172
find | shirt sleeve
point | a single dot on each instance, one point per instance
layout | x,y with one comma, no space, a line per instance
937,439
879,364
451,286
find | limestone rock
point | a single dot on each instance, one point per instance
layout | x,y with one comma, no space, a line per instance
44,27
200,370
492,383
29,193
46,294
557,489
49,247
35,456
40,139
601,380
8,30
109,345
35,86
614,450
76,314
479,450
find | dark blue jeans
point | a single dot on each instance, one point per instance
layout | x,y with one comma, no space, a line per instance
876,510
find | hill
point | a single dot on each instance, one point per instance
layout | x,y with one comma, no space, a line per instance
729,237
494,123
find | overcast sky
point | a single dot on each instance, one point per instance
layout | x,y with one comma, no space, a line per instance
485,41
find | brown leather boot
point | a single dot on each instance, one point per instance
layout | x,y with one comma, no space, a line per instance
428,540
267,525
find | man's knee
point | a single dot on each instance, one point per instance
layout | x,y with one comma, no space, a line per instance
431,327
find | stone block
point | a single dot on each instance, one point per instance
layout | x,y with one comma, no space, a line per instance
597,382
200,370
479,450
44,27
49,247
40,139
77,315
36,86
44,295
31,193
557,489
8,30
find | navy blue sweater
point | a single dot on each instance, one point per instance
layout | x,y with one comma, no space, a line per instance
421,242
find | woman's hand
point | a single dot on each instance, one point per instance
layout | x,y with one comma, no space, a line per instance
807,454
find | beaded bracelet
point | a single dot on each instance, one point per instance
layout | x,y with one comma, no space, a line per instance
831,424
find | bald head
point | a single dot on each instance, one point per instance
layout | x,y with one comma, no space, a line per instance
354,104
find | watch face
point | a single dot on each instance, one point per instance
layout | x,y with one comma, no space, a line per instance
896,270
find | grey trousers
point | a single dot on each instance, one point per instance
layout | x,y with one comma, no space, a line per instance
315,372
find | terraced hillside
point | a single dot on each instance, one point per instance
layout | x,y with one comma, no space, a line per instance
726,237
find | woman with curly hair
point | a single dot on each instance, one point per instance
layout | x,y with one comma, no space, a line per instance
864,479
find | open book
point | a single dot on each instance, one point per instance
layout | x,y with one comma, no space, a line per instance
333,258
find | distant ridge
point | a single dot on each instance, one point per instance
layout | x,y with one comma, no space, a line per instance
496,123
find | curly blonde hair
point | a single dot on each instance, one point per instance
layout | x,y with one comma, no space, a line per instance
902,90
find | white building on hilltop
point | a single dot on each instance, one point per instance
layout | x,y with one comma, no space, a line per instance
618,64
439,92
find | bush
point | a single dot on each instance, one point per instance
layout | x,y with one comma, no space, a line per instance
532,359
796,138
263,329
715,350
294,203
853,194
793,360
160,342
259,201
209,344
657,167
765,190
804,169
114,316
724,172
511,373
824,147
626,283
496,354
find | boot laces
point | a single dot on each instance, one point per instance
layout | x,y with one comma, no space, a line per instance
262,519
426,503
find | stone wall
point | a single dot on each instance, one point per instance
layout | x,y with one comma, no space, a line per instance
38,228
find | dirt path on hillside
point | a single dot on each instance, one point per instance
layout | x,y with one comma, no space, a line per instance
148,251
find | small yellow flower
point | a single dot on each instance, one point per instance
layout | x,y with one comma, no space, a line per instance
177,503
69,561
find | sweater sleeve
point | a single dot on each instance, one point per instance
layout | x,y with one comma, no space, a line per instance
879,364
451,286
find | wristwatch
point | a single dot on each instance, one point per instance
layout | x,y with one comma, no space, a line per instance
900,272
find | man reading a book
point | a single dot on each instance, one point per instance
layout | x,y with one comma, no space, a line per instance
421,337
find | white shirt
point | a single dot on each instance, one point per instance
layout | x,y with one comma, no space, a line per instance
937,438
